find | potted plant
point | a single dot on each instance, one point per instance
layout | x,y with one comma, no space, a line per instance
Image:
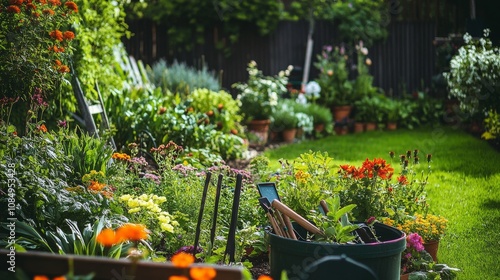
322,118
391,109
259,98
368,111
284,120
417,263
333,79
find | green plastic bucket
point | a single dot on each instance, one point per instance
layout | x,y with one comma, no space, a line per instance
383,258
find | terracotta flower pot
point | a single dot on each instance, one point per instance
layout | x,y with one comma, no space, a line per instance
359,127
261,129
392,126
405,276
341,112
370,126
289,135
432,248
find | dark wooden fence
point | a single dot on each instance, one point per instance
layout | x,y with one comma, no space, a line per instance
405,60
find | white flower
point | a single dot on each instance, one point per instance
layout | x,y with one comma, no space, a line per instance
312,88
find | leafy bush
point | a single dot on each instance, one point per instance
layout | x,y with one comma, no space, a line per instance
473,77
180,78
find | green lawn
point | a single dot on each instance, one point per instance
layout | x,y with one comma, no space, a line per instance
464,186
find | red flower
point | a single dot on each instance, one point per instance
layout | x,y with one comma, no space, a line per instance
48,12
403,180
30,6
72,6
13,9
55,2
68,35
16,2
63,69
57,35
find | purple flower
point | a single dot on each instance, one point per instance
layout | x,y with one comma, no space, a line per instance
415,241
328,48
141,161
153,177
38,99
62,123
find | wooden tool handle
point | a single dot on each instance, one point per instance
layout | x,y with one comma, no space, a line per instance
296,217
289,226
274,225
324,206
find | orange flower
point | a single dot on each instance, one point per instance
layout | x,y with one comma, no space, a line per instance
42,128
132,232
182,259
72,6
96,186
202,273
57,35
16,2
59,278
55,2
58,62
42,1
13,9
265,277
63,69
177,277
403,180
68,35
30,6
107,237
57,49
120,156
48,12
40,277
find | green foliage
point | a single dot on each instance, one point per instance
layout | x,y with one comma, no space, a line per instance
361,20
492,126
320,114
75,242
180,78
473,78
336,88
259,95
369,108
335,224
284,117
99,30
420,109
306,181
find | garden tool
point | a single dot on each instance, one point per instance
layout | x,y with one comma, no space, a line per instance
323,206
278,205
216,209
264,203
231,238
200,214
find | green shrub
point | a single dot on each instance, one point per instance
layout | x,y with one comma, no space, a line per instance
180,78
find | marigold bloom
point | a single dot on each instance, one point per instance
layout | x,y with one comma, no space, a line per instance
182,259
265,277
96,186
68,35
16,2
202,273
13,9
403,180
42,1
42,128
57,35
63,69
30,6
48,12
58,62
55,2
72,6
59,278
40,277
107,237
132,232
120,156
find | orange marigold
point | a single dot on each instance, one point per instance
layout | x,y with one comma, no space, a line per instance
202,273
48,12
68,35
132,232
63,69
177,277
30,6
59,278
182,259
57,35
13,9
42,1
107,237
72,6
55,2
96,186
120,156
16,2
57,49
40,277
42,128
265,277
58,62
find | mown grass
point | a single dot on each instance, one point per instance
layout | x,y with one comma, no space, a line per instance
464,186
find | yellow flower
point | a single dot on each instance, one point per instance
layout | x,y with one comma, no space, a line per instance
167,227
134,210
125,197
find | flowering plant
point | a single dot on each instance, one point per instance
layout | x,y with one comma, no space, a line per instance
259,95
430,227
373,188
333,79
35,45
